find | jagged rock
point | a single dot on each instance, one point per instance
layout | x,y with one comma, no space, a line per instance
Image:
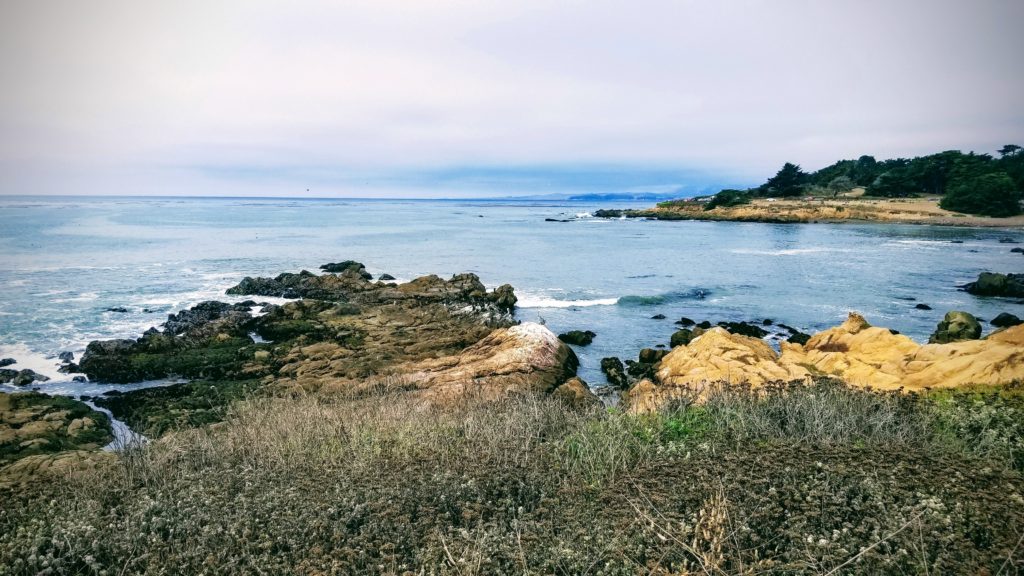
80,379
652,356
69,368
684,321
615,372
1005,320
20,377
744,329
347,265
66,356
956,326
386,277
658,317
681,337
504,297
639,370
7,362
118,309
993,284
577,337
575,393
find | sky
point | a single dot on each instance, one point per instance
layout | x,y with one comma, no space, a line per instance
446,98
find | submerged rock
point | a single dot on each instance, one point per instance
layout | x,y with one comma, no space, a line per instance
993,284
745,329
956,326
577,337
922,307
1005,320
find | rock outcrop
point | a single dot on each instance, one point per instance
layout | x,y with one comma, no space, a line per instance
855,352
577,337
956,326
33,423
993,284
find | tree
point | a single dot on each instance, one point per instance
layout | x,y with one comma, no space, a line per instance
1010,150
839,185
992,194
895,183
789,181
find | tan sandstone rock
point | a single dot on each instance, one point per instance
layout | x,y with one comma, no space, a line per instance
855,352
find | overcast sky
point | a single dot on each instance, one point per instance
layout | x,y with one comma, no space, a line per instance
450,98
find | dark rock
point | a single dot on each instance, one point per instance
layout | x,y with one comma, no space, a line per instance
357,267
659,345
681,337
1007,240
906,298
767,322
684,321
658,317
80,379
956,241
386,277
894,331
705,325
639,370
69,368
577,337
21,377
955,326
923,307
993,284
555,220
608,213
119,309
148,311
652,356
744,329
7,362
798,338
1017,250
66,356
1005,320
504,297
615,372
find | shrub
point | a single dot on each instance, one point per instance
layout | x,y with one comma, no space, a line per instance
987,195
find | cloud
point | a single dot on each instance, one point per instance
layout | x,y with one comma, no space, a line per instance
380,98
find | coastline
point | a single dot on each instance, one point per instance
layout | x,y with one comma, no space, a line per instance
835,211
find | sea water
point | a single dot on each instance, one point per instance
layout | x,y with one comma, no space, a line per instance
66,262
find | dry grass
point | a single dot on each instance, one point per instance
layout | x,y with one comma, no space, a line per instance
787,480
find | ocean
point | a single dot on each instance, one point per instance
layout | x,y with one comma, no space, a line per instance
66,262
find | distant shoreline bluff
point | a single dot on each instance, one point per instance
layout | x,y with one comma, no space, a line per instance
818,211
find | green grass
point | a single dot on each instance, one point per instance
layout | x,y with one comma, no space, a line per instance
784,480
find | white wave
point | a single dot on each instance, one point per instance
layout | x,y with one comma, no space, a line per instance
584,215
83,297
788,251
34,360
532,301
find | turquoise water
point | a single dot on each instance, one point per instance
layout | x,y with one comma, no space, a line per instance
65,261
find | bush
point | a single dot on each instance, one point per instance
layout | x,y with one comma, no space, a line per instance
727,198
986,195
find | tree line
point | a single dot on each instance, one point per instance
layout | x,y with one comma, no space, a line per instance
968,182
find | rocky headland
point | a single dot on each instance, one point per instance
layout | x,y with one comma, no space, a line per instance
785,210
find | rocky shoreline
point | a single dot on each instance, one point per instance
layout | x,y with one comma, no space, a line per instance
443,341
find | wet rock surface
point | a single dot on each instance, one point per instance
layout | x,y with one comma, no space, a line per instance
994,284
577,337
